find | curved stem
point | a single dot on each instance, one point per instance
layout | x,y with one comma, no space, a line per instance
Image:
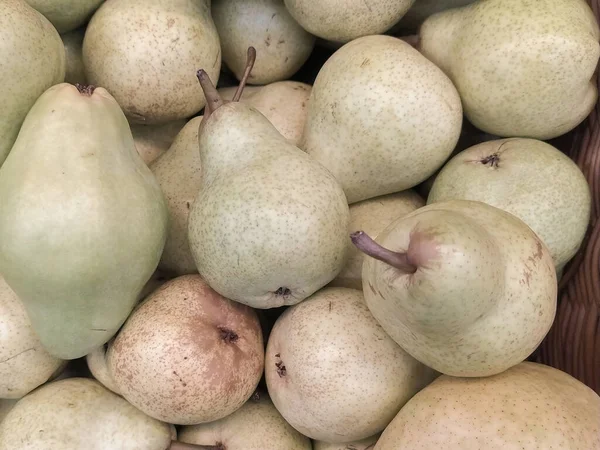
251,59
213,99
176,445
368,246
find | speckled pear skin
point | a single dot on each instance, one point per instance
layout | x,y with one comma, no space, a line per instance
83,221
257,425
483,296
77,413
363,444
381,117
66,15
343,377
343,21
269,226
528,178
422,9
530,406
523,68
33,59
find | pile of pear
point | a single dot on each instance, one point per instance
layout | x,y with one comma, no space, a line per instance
272,264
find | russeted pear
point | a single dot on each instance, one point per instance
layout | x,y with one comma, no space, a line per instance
73,42
83,221
522,68
179,173
282,45
343,21
381,117
363,444
528,178
33,59
267,228
466,288
66,15
146,52
151,141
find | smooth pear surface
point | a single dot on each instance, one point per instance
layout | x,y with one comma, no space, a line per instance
257,425
83,221
187,355
66,15
73,42
343,21
483,293
33,59
528,178
530,406
281,44
363,444
333,373
77,413
522,68
98,367
151,141
146,54
381,117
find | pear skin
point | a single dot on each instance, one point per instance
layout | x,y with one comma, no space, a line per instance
66,15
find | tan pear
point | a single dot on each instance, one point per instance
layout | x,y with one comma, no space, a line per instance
530,406
381,117
363,444
466,288
98,366
523,69
151,141
66,15
422,9
528,178
73,42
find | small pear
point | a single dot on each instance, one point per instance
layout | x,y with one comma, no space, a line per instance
363,444
33,59
282,45
522,68
83,221
66,15
381,117
267,228
151,141
73,42
466,288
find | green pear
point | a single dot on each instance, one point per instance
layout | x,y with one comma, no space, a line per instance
381,117
151,141
73,42
363,444
146,52
268,226
529,406
522,68
466,288
66,15
528,178
83,221
33,59
282,45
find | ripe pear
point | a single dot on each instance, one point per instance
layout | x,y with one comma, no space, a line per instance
66,15
73,42
284,103
187,355
267,228
146,52
151,141
343,21
523,69
333,373
363,444
83,221
381,117
529,406
257,425
24,363
33,59
422,9
282,45
179,173
373,216
466,288
528,178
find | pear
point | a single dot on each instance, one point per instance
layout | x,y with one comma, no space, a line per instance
73,42
179,173
151,141
466,288
363,444
343,21
187,355
33,59
24,363
66,15
5,406
373,216
381,117
145,53
83,221
528,178
268,226
333,373
257,425
523,69
98,366
284,103
282,45
514,409
422,9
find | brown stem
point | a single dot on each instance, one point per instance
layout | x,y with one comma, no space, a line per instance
85,89
213,99
365,244
250,60
176,445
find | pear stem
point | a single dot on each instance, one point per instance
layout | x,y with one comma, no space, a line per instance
368,246
213,99
176,445
251,59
